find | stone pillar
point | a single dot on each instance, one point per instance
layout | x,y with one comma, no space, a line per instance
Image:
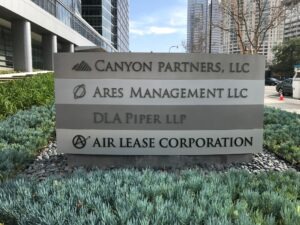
69,47
49,43
21,32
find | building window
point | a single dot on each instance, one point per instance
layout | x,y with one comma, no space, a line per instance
37,55
6,50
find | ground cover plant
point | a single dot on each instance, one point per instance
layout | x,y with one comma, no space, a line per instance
282,134
24,93
141,197
153,197
21,137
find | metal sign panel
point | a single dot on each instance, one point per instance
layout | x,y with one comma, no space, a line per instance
159,104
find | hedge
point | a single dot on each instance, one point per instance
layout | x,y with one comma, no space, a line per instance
282,134
22,135
2,72
23,94
146,197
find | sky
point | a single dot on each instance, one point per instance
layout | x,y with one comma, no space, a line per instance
157,25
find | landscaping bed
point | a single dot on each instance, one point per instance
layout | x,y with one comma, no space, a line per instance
282,134
153,197
261,192
24,93
22,136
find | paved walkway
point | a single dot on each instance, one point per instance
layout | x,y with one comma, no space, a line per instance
11,75
15,76
288,104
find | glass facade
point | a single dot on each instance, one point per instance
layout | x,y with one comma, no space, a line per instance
68,11
37,54
6,50
48,5
111,19
98,14
121,25
107,20
197,30
292,20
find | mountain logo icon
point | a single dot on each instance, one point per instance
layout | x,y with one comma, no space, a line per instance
83,66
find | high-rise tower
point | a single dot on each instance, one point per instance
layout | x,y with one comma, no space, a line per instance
197,27
292,19
111,19
198,33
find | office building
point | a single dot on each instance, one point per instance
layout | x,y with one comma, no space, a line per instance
111,19
32,30
292,20
216,30
229,41
198,26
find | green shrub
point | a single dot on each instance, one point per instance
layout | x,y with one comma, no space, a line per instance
22,135
7,71
149,197
282,134
22,94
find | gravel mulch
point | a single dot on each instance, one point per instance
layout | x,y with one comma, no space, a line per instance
50,162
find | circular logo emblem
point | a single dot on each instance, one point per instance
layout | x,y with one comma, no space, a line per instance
79,91
79,141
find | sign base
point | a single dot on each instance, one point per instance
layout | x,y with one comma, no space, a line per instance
155,162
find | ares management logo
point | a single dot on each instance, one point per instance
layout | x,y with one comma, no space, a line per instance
83,66
79,91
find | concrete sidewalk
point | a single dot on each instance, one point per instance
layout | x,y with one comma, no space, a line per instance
11,75
16,76
288,104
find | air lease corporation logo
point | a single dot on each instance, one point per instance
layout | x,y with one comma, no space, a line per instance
83,66
79,141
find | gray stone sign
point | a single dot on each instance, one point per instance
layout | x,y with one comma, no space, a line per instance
159,104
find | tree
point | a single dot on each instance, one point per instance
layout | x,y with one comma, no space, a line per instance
250,21
286,55
184,44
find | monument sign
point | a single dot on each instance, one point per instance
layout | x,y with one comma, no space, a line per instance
159,104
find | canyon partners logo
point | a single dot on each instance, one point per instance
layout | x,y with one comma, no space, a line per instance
83,66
